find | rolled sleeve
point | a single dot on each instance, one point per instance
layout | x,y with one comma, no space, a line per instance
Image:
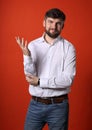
29,66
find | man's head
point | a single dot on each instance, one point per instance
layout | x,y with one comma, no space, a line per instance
54,22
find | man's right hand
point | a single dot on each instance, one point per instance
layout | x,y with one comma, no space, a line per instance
23,45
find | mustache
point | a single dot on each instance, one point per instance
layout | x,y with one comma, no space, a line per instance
54,29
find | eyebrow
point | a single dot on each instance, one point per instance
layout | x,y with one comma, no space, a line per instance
59,22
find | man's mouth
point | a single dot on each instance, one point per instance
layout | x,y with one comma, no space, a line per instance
53,30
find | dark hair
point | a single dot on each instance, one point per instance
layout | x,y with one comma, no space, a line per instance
55,13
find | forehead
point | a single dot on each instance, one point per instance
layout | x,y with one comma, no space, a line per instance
53,19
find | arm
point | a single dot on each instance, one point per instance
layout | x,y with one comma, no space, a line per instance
29,67
64,78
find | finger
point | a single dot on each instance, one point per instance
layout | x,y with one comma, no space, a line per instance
28,79
26,45
17,39
22,42
28,74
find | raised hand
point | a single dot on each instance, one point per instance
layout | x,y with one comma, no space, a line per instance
23,45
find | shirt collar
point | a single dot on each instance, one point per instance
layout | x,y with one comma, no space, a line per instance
56,39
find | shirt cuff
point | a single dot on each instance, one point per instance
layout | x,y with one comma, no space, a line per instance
47,83
52,82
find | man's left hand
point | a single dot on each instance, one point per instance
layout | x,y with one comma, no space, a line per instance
33,80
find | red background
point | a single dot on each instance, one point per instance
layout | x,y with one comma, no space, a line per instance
24,18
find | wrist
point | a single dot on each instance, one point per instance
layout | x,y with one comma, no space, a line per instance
26,54
39,81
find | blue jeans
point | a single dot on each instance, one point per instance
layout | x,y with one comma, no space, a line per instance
55,115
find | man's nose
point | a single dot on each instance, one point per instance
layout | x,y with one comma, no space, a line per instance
54,25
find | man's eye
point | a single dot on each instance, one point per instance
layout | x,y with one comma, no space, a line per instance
59,23
50,22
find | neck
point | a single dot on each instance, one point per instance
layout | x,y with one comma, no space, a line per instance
48,39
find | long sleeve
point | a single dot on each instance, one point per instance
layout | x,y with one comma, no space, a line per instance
65,77
29,66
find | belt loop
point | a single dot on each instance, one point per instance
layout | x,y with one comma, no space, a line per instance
52,100
36,99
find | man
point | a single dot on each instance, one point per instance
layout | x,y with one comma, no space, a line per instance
49,66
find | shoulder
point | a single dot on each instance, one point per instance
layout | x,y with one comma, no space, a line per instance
68,47
68,44
35,42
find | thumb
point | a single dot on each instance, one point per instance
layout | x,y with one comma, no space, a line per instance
29,75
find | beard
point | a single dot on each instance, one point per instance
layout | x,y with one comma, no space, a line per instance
54,34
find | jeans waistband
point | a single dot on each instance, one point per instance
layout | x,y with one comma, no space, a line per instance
50,100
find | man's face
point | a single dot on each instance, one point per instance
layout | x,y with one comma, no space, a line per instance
53,26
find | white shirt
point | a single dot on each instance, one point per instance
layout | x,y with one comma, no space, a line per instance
55,65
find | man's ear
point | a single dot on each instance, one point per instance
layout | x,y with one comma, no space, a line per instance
43,23
63,26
